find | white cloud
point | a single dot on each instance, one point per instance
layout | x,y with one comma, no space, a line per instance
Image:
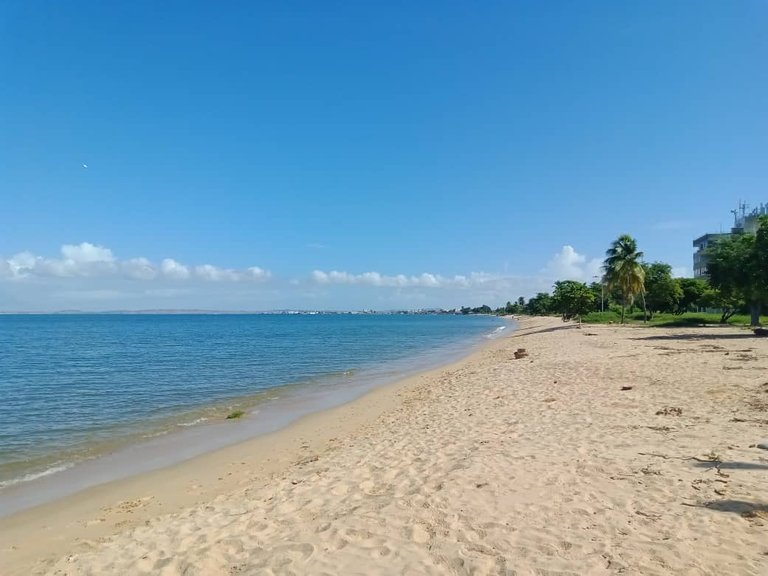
320,277
570,265
21,265
94,261
64,268
567,264
139,269
86,252
172,269
256,273
77,260
425,280
401,290
31,281
215,274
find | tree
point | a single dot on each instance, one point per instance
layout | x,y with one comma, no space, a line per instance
624,271
484,309
727,304
572,299
738,267
662,292
692,292
761,268
601,298
730,272
539,305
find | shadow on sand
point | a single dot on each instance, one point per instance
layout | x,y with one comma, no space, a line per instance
527,332
741,507
731,465
695,337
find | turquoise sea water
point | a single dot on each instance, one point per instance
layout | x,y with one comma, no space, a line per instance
73,387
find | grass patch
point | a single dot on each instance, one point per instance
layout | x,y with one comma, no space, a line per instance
236,414
607,317
689,319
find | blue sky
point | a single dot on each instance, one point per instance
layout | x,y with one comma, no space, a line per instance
262,155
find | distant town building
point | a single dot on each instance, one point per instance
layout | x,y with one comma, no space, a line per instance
699,257
743,222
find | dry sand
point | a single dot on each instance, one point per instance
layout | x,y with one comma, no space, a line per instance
540,465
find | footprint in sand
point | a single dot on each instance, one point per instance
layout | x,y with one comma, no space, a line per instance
301,550
419,534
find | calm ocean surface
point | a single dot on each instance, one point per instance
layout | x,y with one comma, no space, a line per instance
73,387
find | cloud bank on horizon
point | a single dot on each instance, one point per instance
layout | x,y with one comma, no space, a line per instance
90,260
87,273
565,265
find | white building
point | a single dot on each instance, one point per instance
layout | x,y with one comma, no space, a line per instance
743,222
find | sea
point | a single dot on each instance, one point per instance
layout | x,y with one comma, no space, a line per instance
89,398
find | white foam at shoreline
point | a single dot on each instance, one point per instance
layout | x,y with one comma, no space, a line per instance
497,332
36,475
198,421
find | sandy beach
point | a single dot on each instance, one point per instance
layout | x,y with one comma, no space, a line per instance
605,450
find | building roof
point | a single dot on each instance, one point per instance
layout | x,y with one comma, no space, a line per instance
701,240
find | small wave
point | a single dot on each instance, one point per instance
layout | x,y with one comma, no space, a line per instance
496,332
35,475
198,421
155,434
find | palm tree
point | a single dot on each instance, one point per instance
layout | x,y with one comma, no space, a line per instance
623,270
